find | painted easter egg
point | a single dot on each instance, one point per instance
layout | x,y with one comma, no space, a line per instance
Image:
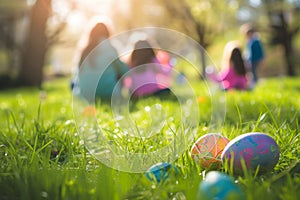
160,171
207,150
251,150
217,185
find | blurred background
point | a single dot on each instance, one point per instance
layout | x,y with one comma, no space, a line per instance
38,38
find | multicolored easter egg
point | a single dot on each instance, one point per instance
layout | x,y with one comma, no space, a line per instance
207,150
251,150
160,171
217,185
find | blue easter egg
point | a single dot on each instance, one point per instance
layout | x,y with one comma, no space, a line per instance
217,185
159,172
250,151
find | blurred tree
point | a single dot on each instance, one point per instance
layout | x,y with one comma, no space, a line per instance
11,13
36,38
137,14
35,47
283,18
202,20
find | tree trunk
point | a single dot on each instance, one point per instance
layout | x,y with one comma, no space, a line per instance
35,47
282,35
191,25
287,38
288,54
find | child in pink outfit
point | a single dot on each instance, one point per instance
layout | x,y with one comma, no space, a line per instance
148,75
232,80
233,75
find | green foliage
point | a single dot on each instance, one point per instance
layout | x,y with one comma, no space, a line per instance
42,155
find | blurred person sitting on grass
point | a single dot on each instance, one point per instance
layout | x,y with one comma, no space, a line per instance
99,66
150,72
233,72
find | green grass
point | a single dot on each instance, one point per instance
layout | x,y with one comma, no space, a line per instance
42,155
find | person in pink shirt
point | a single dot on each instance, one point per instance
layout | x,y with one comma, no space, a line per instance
233,73
148,75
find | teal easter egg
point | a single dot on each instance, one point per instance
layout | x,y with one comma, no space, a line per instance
217,185
251,151
160,171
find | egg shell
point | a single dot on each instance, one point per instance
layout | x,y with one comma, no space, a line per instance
253,150
207,150
160,171
217,185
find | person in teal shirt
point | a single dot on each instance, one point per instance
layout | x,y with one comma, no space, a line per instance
99,67
255,52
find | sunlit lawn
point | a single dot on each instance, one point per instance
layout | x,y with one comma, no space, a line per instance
42,155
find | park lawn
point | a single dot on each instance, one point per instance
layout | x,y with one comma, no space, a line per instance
43,156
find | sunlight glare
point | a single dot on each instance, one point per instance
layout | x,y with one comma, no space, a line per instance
30,2
255,3
95,6
76,20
